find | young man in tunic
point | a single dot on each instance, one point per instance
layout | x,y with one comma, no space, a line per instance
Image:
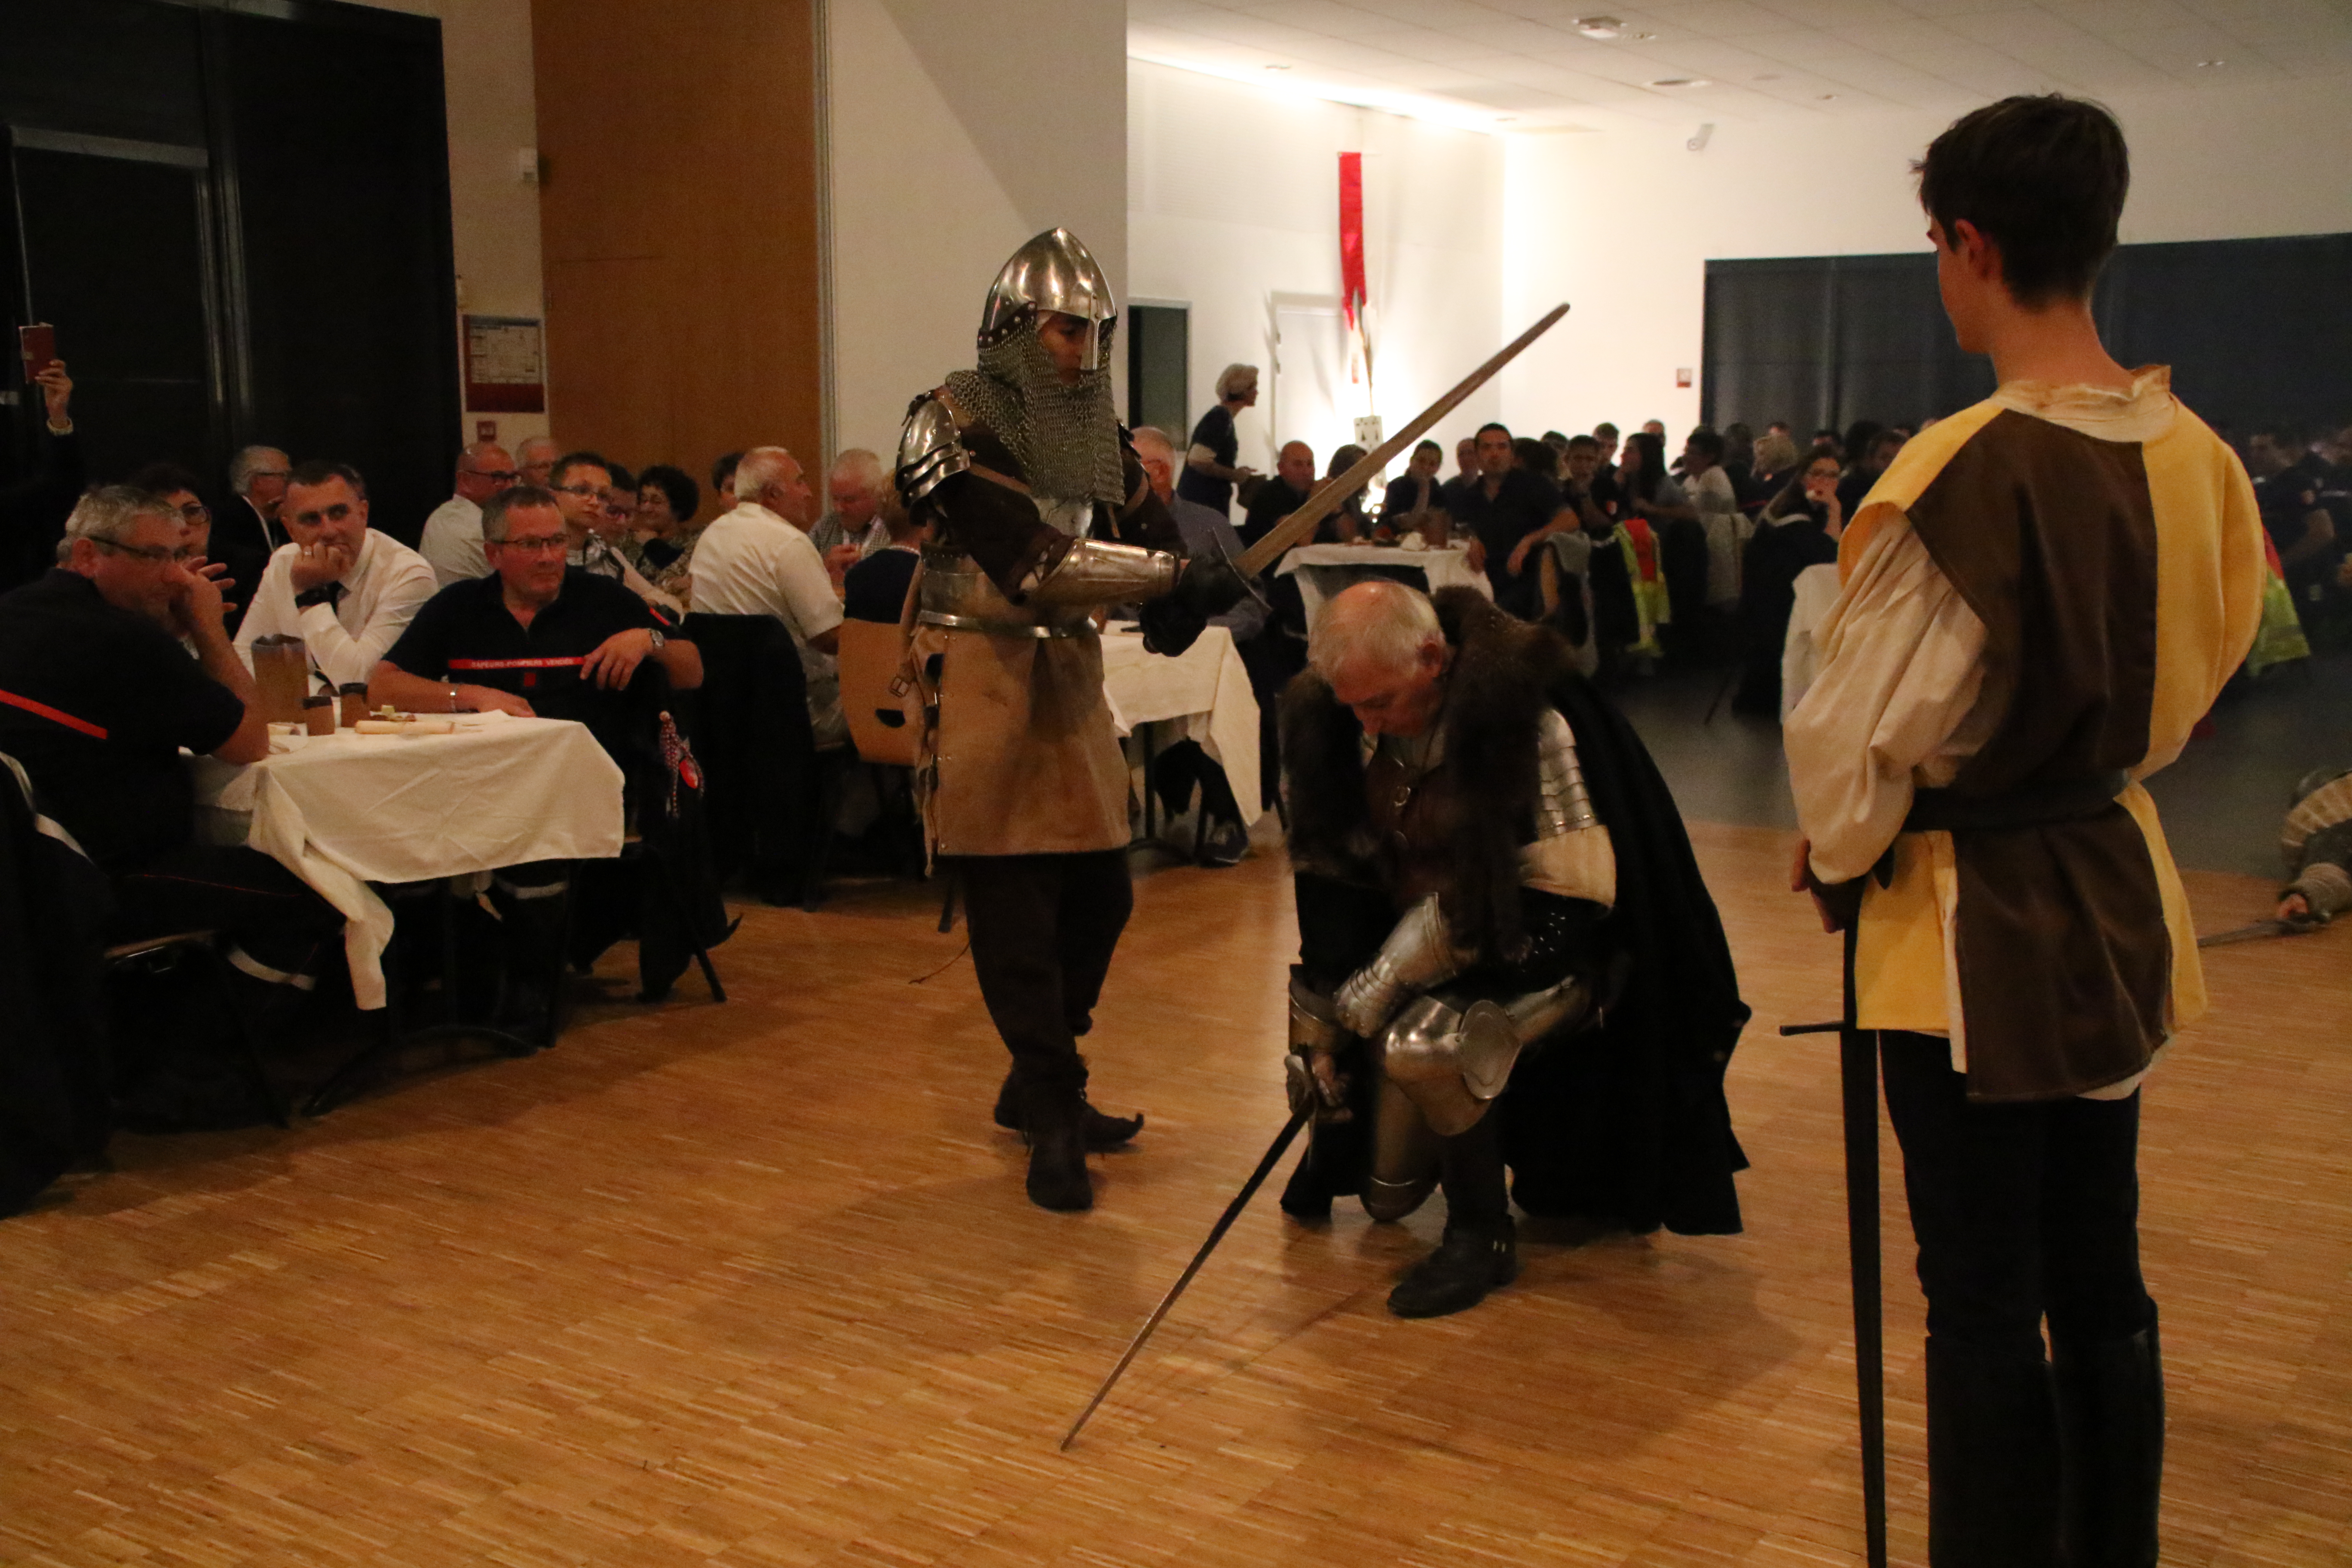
2042,595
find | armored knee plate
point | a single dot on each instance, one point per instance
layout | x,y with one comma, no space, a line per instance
1404,1170
1452,1058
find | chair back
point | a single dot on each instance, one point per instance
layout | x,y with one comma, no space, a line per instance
882,723
751,734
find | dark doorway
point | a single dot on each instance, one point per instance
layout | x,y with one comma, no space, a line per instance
1159,337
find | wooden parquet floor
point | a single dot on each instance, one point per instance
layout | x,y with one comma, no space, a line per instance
754,1285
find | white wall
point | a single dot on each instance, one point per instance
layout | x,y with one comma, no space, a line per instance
1622,224
949,146
1232,198
494,213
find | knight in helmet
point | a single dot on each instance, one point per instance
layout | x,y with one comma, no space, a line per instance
1509,968
1041,517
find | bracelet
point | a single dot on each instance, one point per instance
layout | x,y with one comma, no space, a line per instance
453,698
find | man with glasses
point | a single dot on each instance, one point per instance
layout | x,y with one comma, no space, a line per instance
452,540
98,695
258,476
177,487
344,589
536,459
598,498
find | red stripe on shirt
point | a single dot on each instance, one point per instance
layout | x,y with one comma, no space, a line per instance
46,712
518,663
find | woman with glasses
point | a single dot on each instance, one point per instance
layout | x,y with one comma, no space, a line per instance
662,545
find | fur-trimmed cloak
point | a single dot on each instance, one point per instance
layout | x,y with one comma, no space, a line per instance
1626,1123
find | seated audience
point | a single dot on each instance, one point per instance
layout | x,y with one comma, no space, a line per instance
99,694
1711,493
1799,528
1348,523
1412,504
346,590
1606,434
258,476
1281,493
2300,528
1653,497
661,547
1585,576
452,540
538,638
177,487
1465,473
1776,464
1739,464
33,510
535,460
722,481
759,560
598,499
853,529
1869,459
1184,764
1503,510
1212,459
876,588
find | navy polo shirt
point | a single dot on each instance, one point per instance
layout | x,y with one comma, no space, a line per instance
465,634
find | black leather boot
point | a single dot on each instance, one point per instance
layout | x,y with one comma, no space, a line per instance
2111,1447
1470,1261
1052,1116
1102,1133
1992,1459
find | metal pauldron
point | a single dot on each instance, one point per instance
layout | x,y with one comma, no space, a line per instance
1453,1058
1419,953
1095,572
956,594
1562,803
930,450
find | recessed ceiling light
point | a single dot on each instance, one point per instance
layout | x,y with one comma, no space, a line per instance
1277,67
1679,81
1506,119
2209,65
1600,26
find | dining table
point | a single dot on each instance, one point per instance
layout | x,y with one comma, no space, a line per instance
1202,694
445,796
1324,570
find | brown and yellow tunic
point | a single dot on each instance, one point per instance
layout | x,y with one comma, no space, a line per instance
2040,597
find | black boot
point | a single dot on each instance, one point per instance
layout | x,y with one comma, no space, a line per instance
1992,1459
1102,1133
1470,1261
1053,1117
2111,1443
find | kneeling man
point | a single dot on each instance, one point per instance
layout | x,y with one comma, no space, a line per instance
1494,894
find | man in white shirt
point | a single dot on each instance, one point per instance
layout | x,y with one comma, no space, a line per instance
452,540
347,591
758,559
853,529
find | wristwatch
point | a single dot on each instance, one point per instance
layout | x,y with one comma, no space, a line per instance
659,642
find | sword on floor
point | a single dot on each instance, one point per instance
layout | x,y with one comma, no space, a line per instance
1858,1078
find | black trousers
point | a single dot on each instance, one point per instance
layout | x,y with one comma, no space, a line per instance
264,910
1043,930
2021,1211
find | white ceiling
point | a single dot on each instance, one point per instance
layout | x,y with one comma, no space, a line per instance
1521,65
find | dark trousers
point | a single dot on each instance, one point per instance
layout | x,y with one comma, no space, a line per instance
1043,930
264,911
1176,771
2021,1211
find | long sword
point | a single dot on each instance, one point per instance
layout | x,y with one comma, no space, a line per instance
1224,1223
1300,525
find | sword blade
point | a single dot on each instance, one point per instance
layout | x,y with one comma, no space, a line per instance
1858,1080
2254,932
1224,1223
1327,495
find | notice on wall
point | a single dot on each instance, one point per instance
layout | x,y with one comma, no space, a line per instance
505,365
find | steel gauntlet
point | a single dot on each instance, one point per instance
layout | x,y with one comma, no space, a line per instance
1418,954
1311,1069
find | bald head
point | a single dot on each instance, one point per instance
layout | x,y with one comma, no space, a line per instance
483,470
1157,453
1296,464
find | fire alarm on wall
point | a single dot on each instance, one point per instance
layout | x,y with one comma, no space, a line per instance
486,429
1683,376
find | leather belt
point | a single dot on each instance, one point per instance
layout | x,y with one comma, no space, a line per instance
2035,806
997,628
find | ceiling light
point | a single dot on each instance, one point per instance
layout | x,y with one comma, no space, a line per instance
1277,67
1644,38
1679,81
1506,119
2209,65
1600,26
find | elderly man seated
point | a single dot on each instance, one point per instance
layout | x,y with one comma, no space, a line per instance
1496,901
98,695
759,560
536,637
344,589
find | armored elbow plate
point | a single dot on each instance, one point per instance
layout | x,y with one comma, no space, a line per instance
930,450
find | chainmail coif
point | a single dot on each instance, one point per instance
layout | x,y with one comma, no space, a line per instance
1065,437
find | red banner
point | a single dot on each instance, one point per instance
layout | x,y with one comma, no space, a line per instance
1352,238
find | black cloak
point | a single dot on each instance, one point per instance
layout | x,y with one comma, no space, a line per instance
1625,1123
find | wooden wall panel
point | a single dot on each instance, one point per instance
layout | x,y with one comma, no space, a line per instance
680,227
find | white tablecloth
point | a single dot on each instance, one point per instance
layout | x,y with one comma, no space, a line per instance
350,809
1324,571
1817,590
1205,692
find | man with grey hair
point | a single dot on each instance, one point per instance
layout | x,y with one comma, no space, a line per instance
758,559
258,476
853,529
535,460
99,695
1212,463
1487,864
452,540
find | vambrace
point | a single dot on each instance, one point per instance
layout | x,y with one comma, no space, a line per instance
1571,855
1092,572
1419,953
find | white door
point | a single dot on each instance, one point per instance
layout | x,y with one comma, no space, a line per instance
1314,401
